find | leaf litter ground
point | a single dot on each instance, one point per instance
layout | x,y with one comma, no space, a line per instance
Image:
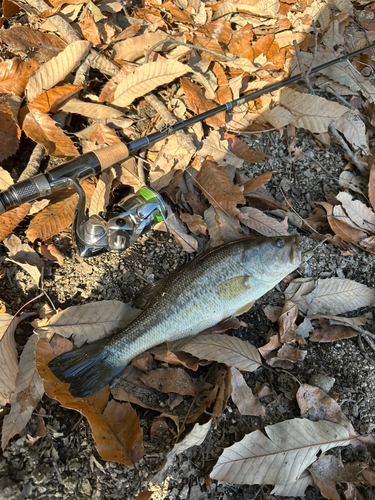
65,462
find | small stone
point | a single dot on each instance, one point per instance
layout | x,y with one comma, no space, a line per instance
322,381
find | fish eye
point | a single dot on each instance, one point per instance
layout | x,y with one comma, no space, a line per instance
280,243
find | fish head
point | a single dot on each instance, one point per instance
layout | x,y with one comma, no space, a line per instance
269,260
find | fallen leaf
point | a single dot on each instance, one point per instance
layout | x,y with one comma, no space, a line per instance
10,220
43,130
243,396
221,227
5,179
315,404
256,182
177,14
337,296
360,214
242,150
89,322
107,93
272,312
200,104
331,333
371,186
286,357
328,469
90,109
260,222
50,252
287,322
170,380
145,79
100,197
138,46
14,74
270,349
127,174
195,223
41,46
89,29
8,357
280,458
240,43
224,93
27,393
9,131
295,489
54,98
56,69
359,321
21,252
218,188
57,216
312,112
115,441
224,349
188,243
194,438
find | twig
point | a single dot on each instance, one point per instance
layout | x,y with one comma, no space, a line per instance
141,170
316,32
360,165
303,72
363,351
32,168
190,46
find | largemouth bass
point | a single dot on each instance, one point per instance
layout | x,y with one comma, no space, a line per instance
220,283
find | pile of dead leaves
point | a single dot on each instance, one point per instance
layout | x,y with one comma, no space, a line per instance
74,58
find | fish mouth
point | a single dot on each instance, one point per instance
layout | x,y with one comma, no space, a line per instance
294,256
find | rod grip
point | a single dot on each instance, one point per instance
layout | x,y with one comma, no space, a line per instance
112,154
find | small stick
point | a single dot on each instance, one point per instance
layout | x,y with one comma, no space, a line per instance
190,46
141,171
304,75
360,165
32,168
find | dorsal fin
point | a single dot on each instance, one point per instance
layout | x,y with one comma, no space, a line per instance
143,298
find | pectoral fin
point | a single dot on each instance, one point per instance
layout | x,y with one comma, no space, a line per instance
234,287
244,308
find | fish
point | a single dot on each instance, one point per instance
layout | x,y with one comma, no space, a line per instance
223,282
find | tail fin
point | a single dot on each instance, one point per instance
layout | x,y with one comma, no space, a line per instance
88,369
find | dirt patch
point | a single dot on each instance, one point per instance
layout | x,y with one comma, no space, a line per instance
65,463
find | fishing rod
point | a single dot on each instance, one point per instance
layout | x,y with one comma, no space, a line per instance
135,215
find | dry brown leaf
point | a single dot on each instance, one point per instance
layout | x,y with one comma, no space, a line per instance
104,135
240,43
199,103
90,109
188,243
224,349
89,322
260,222
127,174
195,223
331,333
5,179
89,29
14,74
269,350
21,252
53,99
55,70
27,393
353,129
10,132
107,93
286,356
114,440
138,46
43,130
170,380
315,404
100,197
171,158
145,79
287,322
243,396
272,312
50,252
359,321
337,296
224,93
10,220
57,216
218,188
279,458
176,13
41,46
8,357
360,214
312,112
221,227
256,182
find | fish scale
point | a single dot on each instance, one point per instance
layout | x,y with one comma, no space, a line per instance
216,285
